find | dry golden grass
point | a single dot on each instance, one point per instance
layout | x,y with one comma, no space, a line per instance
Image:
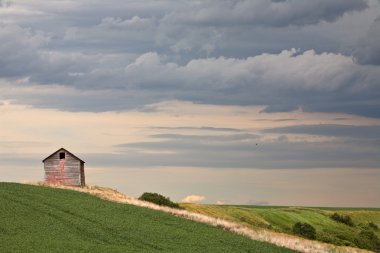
279,239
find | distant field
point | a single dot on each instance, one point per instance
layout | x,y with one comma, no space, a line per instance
41,219
321,208
282,219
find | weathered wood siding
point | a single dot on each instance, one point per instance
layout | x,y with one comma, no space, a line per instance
82,181
67,171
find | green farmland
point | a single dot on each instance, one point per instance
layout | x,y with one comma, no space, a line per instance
364,233
42,219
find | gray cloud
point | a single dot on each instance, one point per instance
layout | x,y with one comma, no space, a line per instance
233,151
212,129
275,120
209,138
363,132
368,48
18,51
14,160
263,80
265,13
195,29
316,82
5,4
237,28
124,55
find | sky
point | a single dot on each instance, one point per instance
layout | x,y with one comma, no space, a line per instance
259,102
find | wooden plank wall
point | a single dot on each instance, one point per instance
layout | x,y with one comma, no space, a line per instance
63,171
82,181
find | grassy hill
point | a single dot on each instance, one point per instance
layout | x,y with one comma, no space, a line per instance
42,219
282,219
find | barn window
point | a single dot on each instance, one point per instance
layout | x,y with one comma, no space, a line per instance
62,155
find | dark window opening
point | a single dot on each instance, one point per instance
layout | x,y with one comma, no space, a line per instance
62,155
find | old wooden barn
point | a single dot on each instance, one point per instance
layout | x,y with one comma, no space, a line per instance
63,167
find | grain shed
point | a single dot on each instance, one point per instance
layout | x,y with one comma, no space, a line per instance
63,167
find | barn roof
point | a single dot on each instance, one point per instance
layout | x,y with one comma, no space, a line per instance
62,149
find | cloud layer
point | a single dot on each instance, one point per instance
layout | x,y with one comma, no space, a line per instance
120,56
368,49
283,82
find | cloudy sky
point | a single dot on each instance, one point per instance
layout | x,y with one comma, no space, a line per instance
220,101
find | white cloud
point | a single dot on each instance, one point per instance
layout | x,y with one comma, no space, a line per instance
288,69
283,81
193,199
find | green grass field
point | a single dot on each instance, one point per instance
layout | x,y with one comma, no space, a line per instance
42,219
282,219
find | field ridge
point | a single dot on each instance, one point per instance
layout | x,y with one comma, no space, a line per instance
44,219
264,235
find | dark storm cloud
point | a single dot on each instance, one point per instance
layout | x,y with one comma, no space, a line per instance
362,132
18,51
238,28
368,48
282,82
123,55
265,13
249,152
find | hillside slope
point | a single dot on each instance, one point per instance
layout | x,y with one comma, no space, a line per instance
281,219
42,219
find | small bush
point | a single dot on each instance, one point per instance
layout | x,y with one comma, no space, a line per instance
329,238
158,199
373,225
368,240
345,219
305,230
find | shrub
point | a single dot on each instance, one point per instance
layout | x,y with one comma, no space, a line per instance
158,199
305,230
345,219
373,225
369,240
332,239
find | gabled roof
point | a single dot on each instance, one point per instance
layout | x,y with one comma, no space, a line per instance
62,149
